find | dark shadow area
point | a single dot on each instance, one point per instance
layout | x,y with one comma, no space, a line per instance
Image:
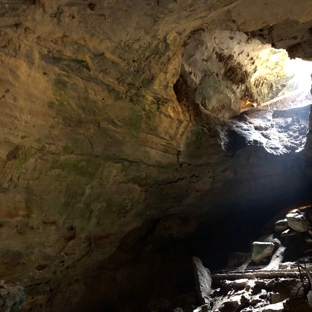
151,269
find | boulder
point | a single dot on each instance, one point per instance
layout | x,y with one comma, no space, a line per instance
281,225
203,280
277,297
297,221
261,250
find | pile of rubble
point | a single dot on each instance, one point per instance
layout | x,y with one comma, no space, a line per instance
274,276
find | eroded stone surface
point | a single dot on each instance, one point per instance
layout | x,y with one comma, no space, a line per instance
12,297
261,250
279,286
230,72
297,221
278,131
281,225
94,142
203,280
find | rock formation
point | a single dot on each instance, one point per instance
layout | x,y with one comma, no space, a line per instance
282,285
117,159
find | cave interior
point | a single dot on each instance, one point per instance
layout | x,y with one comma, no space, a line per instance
155,156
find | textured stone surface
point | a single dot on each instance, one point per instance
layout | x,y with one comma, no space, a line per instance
279,286
94,142
281,225
261,250
278,131
276,307
297,221
297,40
230,72
203,280
12,297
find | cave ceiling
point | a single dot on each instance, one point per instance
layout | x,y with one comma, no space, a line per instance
97,135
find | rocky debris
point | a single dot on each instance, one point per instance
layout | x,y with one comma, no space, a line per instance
297,221
276,259
282,282
256,293
277,133
203,308
202,279
276,307
281,225
261,250
277,297
12,297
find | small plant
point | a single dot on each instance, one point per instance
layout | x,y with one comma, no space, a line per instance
307,292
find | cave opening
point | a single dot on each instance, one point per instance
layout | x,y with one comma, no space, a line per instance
258,96
261,95
252,95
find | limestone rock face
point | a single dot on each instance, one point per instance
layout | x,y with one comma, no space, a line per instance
230,72
95,141
277,131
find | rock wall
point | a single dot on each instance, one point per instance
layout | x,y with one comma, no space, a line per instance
94,141
229,72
